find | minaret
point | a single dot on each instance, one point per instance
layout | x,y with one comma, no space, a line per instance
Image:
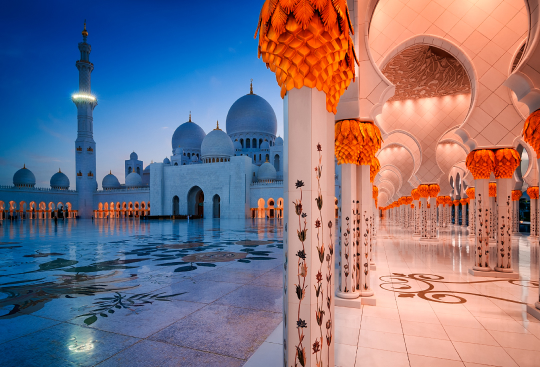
85,146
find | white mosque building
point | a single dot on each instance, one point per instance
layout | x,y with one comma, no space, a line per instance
237,173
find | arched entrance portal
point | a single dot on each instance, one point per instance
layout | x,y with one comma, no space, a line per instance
195,201
175,205
216,206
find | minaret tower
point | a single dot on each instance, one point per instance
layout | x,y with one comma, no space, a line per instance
85,146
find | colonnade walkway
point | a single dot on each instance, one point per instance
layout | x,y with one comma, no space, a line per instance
431,312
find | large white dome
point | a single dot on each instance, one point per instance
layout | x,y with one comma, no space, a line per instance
251,114
267,172
133,180
188,136
110,182
59,181
24,178
217,144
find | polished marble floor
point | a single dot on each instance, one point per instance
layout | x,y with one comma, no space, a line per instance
130,293
431,313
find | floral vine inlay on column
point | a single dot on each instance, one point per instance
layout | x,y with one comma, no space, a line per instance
319,293
302,273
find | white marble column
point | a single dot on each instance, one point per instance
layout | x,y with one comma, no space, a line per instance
416,219
309,233
504,230
472,214
433,218
365,225
347,285
423,219
493,219
481,251
534,219
375,215
515,217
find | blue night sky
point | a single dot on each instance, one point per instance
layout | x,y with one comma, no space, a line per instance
154,62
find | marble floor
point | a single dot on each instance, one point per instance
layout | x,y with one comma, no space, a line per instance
431,312
135,293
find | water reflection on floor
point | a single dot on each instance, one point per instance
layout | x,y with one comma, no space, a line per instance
158,293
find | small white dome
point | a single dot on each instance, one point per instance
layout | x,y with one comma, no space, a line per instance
189,135
237,145
178,151
133,156
166,161
59,181
217,144
133,180
265,145
24,177
110,182
194,158
147,169
267,172
279,141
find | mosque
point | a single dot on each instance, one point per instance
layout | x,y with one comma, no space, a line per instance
237,173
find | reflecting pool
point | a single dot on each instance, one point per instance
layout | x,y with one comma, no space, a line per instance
198,293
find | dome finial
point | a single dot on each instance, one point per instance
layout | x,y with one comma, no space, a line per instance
251,87
267,160
59,170
189,116
217,126
84,32
110,172
24,166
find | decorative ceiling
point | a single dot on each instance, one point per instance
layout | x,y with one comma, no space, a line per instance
425,71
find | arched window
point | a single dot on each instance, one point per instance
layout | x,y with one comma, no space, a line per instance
268,157
248,143
260,142
176,163
139,170
254,143
260,157
276,162
197,155
130,170
184,154
254,157
176,205
189,155
242,143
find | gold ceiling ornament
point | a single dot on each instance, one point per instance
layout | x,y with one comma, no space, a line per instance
375,192
307,43
481,163
492,189
464,201
409,199
434,190
516,195
356,142
533,192
456,202
470,192
415,195
506,162
423,190
348,141
374,169
531,131
372,142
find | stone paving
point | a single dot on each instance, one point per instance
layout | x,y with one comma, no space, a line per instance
125,292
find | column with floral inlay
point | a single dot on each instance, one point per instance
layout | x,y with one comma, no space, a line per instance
481,163
313,59
506,162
